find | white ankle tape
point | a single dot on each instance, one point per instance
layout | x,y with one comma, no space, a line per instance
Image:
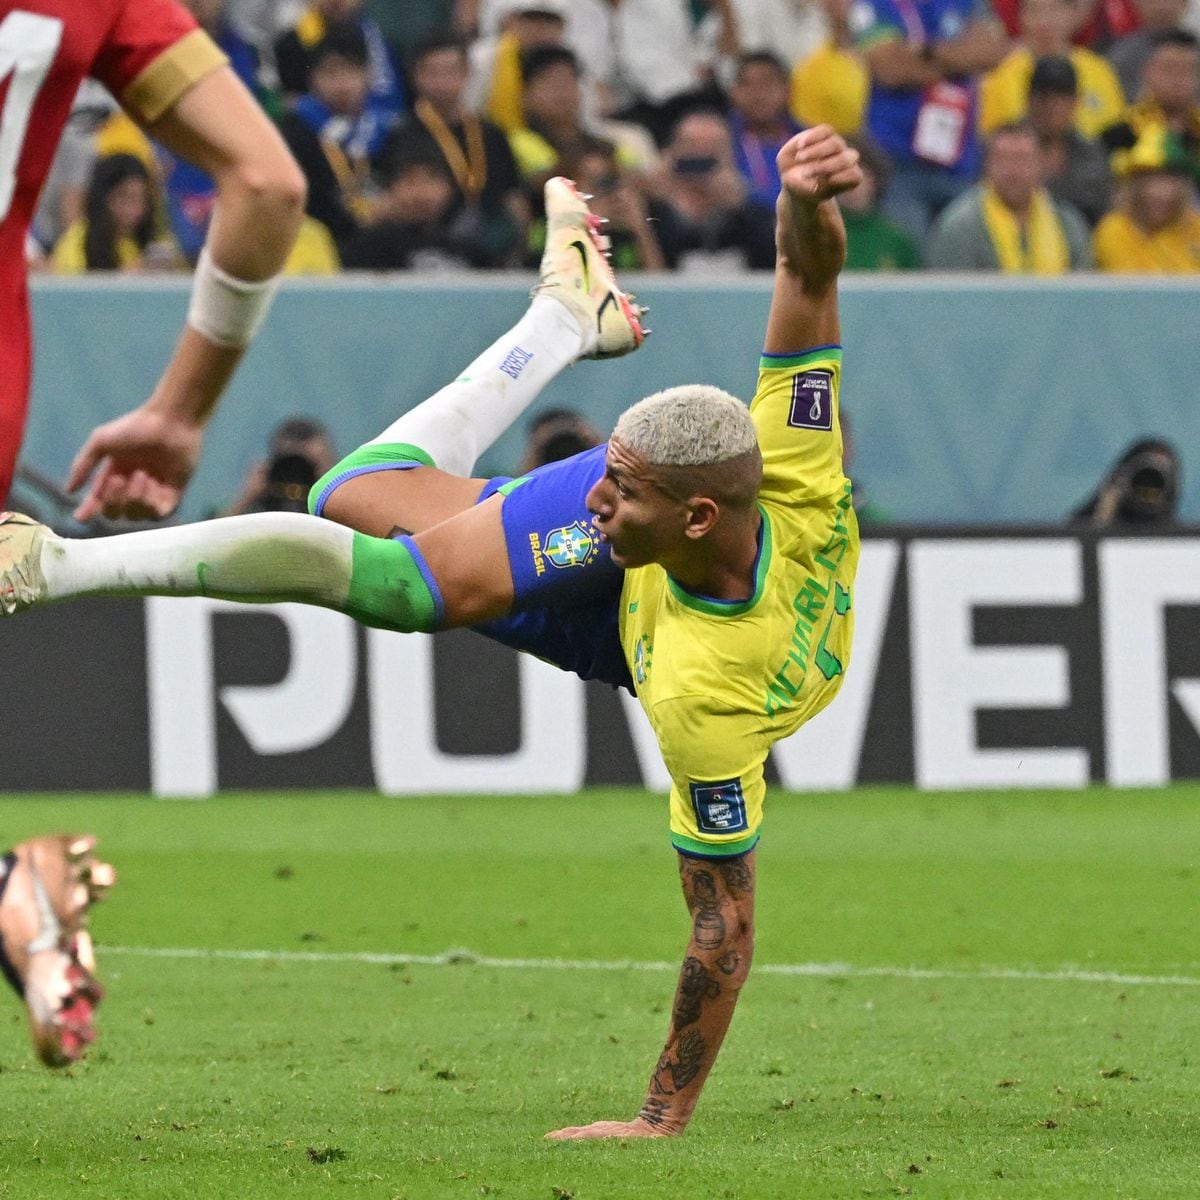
227,310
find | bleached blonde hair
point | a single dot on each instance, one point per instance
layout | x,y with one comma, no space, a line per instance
689,426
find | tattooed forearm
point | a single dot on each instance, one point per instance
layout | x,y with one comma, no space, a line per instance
672,1075
691,1057
659,1085
695,986
720,898
708,925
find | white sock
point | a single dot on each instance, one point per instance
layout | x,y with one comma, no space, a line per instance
261,558
457,424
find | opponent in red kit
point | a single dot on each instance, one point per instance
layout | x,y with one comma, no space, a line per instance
173,81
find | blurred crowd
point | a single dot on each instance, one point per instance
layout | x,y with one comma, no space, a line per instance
1029,136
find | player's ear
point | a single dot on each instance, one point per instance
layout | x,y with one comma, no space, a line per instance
702,514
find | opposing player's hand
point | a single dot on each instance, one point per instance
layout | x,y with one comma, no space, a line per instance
817,164
141,463
608,1129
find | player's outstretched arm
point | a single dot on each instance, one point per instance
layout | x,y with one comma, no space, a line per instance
720,898
814,166
146,457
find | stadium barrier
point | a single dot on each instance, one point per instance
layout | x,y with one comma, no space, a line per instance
973,398
1004,658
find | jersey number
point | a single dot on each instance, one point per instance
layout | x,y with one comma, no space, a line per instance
28,44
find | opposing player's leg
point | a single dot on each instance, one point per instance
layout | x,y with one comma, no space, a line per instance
47,885
14,398
416,473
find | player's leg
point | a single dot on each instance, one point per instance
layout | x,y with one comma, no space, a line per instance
271,558
458,572
47,885
534,546
416,472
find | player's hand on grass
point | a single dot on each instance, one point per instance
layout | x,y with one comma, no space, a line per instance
817,164
142,462
608,1129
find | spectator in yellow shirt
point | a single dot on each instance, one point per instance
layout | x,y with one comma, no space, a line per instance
1046,28
1155,228
118,230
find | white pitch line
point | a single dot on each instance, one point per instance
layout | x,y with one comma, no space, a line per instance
812,970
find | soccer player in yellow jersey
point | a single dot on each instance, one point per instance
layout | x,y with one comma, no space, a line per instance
704,558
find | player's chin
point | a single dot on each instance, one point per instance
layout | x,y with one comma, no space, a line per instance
627,558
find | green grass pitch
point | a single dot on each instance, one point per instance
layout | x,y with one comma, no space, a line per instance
989,996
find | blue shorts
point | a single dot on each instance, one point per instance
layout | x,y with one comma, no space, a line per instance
567,592
554,552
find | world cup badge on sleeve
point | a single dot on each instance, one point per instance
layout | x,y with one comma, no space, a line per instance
812,400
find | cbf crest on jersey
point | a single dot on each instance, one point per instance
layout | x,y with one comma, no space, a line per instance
812,400
573,546
642,657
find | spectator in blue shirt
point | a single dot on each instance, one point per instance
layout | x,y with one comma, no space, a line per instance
925,57
294,52
760,122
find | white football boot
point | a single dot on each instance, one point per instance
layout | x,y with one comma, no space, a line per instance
575,270
21,580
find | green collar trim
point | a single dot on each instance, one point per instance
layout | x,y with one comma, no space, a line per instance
731,608
789,362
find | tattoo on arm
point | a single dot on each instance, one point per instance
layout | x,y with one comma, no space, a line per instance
695,986
659,1087
728,962
719,896
691,1057
738,877
708,925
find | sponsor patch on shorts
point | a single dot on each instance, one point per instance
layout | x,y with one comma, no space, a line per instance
812,400
719,807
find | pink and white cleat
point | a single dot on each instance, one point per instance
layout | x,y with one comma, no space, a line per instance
47,885
575,270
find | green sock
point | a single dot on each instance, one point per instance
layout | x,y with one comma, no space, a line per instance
389,589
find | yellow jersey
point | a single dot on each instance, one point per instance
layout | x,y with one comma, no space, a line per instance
722,681
1120,245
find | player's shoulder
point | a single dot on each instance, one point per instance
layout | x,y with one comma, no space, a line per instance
92,19
88,30
806,380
